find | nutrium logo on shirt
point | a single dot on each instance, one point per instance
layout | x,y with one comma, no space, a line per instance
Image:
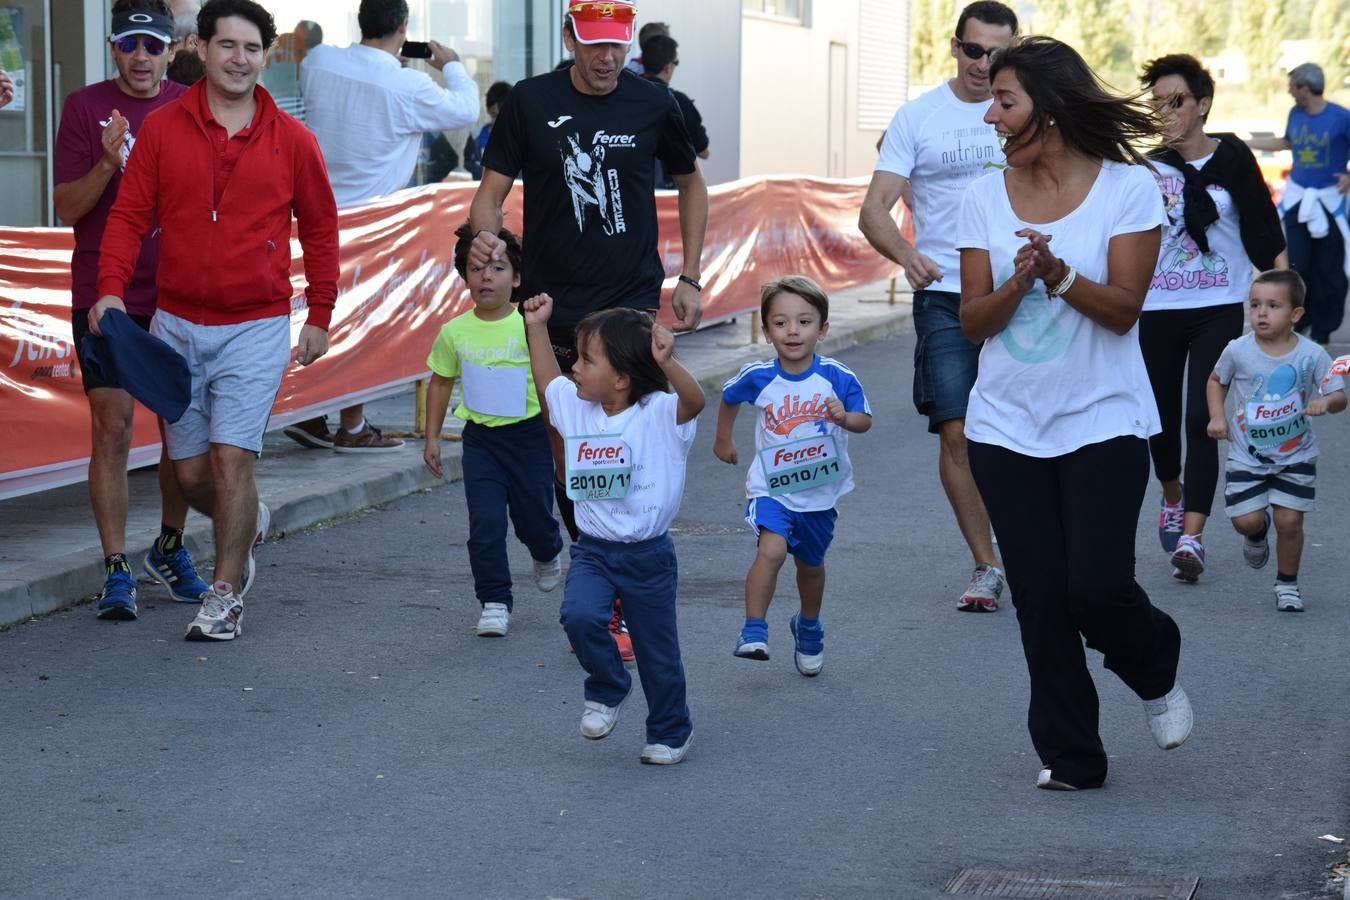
595,189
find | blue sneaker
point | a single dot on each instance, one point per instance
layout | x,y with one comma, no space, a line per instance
117,601
809,653
176,572
1171,523
753,642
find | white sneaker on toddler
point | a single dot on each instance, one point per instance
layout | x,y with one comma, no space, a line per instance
494,621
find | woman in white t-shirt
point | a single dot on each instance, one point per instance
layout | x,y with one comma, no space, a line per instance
1220,220
1059,418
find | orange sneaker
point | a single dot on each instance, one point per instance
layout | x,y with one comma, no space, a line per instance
619,630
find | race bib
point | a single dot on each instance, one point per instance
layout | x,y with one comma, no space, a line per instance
801,465
495,390
1272,423
599,467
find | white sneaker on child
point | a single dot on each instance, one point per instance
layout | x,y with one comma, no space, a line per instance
1170,718
548,574
494,621
598,720
664,755
1288,598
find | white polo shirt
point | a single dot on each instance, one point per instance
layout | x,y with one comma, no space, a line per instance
369,114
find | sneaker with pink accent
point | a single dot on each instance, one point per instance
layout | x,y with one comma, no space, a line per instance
1189,559
986,587
1171,524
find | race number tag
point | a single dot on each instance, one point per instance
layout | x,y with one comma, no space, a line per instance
1271,423
495,390
801,465
599,467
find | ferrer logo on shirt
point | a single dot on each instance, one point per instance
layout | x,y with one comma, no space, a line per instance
792,411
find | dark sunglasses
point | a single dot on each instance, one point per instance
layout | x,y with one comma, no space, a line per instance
1172,102
974,50
153,46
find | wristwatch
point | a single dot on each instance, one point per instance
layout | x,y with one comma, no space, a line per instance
692,283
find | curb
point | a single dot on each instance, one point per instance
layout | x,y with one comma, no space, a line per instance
66,581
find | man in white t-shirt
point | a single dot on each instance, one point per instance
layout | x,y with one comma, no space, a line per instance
369,114
935,146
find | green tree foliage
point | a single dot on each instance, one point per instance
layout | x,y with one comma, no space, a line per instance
1330,30
1258,28
931,24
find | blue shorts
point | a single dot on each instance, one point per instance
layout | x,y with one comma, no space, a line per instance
808,534
945,362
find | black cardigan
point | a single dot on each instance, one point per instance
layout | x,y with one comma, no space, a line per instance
1234,168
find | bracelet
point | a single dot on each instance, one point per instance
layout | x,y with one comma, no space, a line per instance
692,283
1069,278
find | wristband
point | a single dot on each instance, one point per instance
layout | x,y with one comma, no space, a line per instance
692,283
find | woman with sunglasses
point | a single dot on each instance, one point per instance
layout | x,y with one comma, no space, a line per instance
1220,222
1056,256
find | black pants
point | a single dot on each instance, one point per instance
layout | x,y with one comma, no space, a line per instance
1066,530
1183,345
1321,262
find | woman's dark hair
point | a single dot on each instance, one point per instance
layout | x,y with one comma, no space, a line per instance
466,234
215,10
380,18
626,336
497,93
1198,80
1064,90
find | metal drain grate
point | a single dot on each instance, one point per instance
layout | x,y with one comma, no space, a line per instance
973,882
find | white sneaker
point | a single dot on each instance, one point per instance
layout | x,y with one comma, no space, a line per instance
662,755
1046,782
1288,598
598,720
986,587
548,574
264,522
1169,718
1257,553
494,621
220,617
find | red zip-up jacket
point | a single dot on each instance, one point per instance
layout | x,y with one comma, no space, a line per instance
220,265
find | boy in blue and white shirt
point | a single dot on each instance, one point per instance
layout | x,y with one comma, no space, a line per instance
806,406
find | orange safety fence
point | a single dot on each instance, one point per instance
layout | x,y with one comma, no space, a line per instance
397,288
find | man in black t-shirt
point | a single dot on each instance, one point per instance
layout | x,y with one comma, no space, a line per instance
660,56
586,140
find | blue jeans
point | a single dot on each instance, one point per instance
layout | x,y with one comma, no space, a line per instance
945,362
646,575
508,468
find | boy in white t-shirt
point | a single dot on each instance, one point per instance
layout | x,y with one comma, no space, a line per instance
508,467
1278,379
806,405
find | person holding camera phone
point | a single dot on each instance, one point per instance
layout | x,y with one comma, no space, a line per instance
369,113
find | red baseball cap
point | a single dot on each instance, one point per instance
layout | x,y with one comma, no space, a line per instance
602,21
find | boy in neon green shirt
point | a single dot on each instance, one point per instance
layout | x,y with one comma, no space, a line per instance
508,466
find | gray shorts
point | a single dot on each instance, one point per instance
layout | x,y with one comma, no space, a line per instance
236,373
1251,490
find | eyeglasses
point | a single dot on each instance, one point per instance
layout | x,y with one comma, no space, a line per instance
1172,102
594,11
974,50
153,46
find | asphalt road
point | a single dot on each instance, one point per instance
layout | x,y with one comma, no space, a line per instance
359,741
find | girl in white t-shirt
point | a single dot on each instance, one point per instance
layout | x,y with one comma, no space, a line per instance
1061,409
1220,220
625,440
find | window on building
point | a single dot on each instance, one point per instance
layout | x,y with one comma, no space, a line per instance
781,9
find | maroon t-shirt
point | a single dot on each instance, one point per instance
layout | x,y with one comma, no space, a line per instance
79,146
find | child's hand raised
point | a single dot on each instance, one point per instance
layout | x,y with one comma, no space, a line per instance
835,407
663,344
537,309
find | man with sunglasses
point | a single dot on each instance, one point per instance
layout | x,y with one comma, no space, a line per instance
99,124
935,146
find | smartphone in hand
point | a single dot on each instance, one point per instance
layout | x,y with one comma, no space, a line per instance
416,50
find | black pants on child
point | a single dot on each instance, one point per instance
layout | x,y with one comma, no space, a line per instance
507,469
1183,345
1066,530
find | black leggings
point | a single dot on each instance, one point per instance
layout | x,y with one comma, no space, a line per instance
1066,529
1183,345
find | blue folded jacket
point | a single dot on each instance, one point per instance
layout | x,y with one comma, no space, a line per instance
129,357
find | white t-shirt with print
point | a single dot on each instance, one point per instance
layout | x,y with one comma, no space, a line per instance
1053,380
658,448
1185,278
940,143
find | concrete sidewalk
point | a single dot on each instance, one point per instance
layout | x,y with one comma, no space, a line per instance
49,549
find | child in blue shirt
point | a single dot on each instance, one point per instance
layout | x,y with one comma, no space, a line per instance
805,405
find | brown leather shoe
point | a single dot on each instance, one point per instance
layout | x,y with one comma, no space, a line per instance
312,433
368,440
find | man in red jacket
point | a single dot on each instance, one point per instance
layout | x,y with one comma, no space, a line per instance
222,169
